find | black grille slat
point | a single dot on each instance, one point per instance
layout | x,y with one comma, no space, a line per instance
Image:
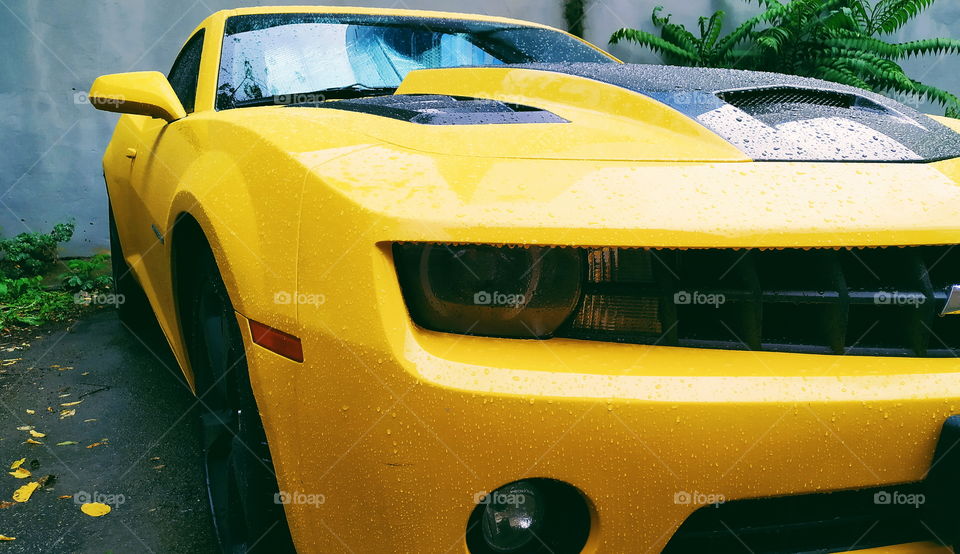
840,311
665,275
859,301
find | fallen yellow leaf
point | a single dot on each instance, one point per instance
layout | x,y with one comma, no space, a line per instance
37,434
17,463
31,412
23,493
62,496
94,445
6,538
66,443
67,413
31,441
24,427
20,473
68,404
95,509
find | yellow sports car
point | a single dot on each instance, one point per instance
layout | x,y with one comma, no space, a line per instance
483,288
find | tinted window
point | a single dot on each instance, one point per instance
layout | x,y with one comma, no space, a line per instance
183,76
285,54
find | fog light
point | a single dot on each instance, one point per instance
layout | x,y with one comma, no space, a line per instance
532,516
511,517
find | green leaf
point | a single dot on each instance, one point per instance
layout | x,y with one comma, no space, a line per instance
894,14
652,42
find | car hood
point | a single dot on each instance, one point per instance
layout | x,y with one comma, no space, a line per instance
640,113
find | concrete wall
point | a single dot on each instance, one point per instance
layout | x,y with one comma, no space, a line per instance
51,141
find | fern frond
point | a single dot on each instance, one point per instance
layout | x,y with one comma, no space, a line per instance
865,44
743,32
894,14
680,36
929,46
652,42
860,14
659,21
712,32
934,94
886,72
843,76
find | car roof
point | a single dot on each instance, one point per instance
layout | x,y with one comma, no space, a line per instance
355,10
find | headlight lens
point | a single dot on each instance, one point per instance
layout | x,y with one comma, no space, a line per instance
519,292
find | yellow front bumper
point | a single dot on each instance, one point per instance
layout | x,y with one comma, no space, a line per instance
400,438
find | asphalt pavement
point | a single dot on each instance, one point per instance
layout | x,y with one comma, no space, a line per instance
115,424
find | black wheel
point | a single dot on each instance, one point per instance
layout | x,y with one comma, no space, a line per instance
133,308
241,484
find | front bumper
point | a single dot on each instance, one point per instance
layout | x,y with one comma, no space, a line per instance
400,438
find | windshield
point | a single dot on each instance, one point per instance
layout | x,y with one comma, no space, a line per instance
282,58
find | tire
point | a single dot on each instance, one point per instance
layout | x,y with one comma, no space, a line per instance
134,309
240,479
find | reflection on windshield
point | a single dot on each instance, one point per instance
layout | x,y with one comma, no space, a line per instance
296,54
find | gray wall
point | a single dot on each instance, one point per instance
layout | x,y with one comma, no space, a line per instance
51,140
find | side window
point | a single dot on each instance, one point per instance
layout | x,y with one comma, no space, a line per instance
183,76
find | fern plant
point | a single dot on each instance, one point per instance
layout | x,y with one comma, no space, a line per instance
837,40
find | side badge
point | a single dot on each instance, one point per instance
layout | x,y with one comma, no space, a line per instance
953,302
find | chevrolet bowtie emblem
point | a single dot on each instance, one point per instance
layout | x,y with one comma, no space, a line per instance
953,302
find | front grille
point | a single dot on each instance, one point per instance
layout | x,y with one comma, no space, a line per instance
839,521
859,301
820,523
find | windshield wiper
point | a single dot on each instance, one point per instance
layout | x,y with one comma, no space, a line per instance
356,90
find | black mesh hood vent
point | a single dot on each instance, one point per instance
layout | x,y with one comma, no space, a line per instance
773,117
784,99
432,109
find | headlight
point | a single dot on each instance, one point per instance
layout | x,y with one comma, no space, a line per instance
519,292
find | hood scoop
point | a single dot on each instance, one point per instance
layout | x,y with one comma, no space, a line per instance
773,117
437,109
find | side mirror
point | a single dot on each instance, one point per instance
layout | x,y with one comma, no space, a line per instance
139,93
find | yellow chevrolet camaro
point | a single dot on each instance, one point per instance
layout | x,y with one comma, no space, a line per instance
483,288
